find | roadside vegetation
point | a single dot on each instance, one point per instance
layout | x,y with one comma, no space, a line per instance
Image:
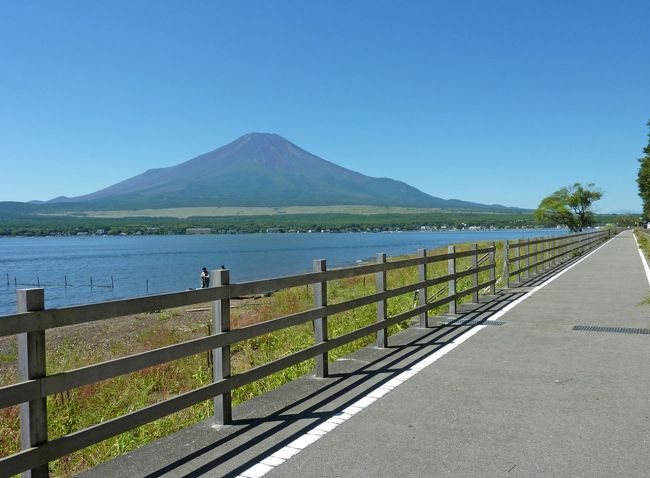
333,222
643,238
78,346
643,179
570,206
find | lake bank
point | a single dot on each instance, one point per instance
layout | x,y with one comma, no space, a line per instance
77,270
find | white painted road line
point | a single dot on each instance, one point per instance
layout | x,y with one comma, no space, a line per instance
643,259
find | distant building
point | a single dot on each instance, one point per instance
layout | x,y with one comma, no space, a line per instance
198,230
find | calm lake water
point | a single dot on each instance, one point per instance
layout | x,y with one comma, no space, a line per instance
142,265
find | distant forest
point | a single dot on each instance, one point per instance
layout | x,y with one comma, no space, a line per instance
66,225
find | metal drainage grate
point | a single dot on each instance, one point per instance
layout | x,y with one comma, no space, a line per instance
470,323
616,330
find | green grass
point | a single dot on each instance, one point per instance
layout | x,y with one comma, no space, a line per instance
92,404
215,211
644,241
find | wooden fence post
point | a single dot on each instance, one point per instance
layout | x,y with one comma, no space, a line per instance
474,248
506,264
527,258
451,269
320,324
422,293
493,263
553,253
580,243
31,365
382,305
221,368
516,247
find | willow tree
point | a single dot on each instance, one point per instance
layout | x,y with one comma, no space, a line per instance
643,179
569,206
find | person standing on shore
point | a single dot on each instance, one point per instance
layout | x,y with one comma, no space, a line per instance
205,278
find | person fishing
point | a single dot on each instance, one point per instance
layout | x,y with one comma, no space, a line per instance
205,278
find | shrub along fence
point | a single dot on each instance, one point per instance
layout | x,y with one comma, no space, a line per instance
644,231
33,319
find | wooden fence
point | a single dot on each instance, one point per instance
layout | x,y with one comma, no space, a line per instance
523,256
33,319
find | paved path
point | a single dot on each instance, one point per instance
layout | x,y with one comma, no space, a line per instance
531,398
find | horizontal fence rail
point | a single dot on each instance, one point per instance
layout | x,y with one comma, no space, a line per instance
33,319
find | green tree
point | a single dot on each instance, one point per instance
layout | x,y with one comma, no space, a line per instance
569,206
643,179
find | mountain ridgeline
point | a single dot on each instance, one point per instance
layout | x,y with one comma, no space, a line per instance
255,170
258,169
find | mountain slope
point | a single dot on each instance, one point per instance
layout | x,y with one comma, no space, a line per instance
259,170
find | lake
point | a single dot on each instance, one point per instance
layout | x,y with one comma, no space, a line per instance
142,265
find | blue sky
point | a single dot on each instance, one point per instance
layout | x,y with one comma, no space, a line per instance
494,102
